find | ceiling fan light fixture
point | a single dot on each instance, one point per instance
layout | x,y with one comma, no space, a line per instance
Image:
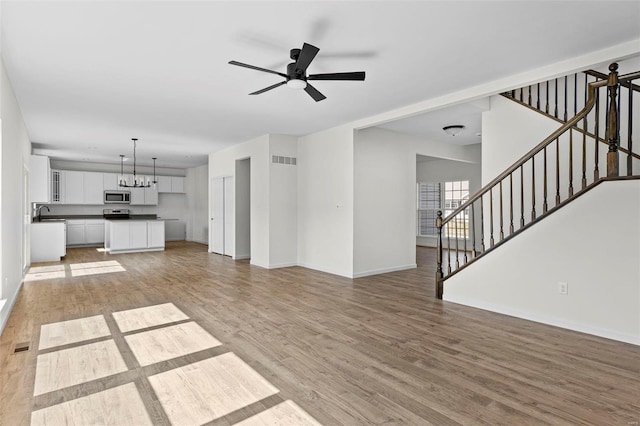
296,84
453,130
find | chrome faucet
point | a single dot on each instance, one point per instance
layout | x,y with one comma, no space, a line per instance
39,212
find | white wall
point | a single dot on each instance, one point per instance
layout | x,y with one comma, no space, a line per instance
197,194
581,245
223,163
283,203
385,196
449,170
15,152
325,201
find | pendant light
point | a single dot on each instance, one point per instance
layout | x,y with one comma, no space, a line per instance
136,184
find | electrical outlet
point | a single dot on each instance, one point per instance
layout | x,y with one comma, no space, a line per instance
563,288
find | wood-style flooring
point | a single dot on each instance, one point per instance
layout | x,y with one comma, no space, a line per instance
304,344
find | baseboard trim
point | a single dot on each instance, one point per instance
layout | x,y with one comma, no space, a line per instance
7,307
242,256
283,265
258,264
384,270
322,269
556,322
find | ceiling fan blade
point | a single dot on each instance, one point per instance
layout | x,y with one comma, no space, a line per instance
351,76
240,64
307,54
313,92
268,88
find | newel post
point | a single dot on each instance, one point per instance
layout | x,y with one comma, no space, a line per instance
612,122
439,273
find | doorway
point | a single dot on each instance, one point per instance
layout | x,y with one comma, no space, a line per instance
243,209
222,225
26,219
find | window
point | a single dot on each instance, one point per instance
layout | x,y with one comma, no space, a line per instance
445,196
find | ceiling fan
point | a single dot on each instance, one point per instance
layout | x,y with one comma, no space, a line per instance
296,76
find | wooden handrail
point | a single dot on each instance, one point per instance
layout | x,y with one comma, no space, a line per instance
529,155
625,80
576,128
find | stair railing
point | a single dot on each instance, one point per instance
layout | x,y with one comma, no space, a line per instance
520,196
562,97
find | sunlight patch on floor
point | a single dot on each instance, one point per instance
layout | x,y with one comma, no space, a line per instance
96,271
40,273
38,276
195,393
72,331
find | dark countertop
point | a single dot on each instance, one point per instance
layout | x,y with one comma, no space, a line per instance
98,217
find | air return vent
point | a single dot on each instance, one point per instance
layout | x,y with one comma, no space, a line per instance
279,159
21,347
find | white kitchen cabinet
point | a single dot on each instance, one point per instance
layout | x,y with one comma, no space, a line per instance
177,184
93,188
171,184
144,196
137,196
117,235
94,231
138,234
110,181
85,232
151,196
40,179
124,236
75,232
155,236
164,183
58,179
47,241
74,187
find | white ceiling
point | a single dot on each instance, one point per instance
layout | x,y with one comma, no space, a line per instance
91,75
430,125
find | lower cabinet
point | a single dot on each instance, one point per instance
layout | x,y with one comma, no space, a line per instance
85,232
47,241
75,232
155,236
134,235
94,232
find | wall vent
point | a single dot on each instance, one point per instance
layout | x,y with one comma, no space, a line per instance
279,159
21,347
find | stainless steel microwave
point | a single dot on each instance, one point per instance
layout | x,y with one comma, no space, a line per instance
117,197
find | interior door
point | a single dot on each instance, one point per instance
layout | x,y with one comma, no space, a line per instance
217,220
229,229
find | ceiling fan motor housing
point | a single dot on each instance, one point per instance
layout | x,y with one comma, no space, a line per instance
294,54
293,73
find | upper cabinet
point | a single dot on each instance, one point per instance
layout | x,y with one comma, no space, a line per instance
93,188
110,181
83,188
177,184
74,187
143,196
40,179
58,186
171,184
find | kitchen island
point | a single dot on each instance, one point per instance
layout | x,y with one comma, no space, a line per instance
133,235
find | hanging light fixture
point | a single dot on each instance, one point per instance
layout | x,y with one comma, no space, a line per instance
137,183
154,170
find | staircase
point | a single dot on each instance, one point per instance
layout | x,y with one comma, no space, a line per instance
596,113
